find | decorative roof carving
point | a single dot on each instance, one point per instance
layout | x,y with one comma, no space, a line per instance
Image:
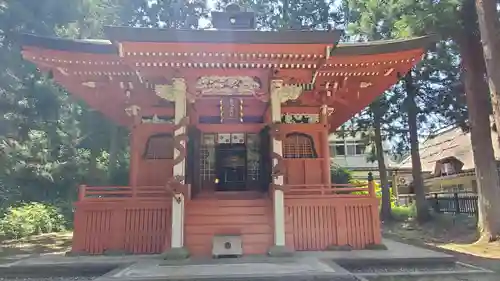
155,119
132,110
170,92
285,92
228,85
89,84
289,118
364,85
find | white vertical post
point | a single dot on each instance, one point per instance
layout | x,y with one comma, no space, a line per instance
178,170
279,198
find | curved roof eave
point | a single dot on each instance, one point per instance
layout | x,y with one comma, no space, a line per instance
165,35
251,37
92,46
383,46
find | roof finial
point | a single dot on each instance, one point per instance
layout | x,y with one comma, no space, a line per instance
233,17
233,8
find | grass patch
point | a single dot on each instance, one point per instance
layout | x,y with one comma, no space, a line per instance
456,234
479,249
37,244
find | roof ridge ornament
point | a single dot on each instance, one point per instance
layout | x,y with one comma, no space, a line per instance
233,18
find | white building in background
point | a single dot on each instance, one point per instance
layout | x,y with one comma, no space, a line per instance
352,152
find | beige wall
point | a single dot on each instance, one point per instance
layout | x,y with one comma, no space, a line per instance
466,183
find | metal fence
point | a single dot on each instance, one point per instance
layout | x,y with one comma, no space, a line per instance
457,203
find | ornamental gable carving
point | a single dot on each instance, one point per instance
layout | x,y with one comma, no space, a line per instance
228,85
285,92
300,118
170,92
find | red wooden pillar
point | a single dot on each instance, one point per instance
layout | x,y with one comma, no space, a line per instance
135,151
325,146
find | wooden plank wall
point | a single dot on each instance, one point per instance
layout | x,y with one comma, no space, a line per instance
131,226
151,172
317,223
303,171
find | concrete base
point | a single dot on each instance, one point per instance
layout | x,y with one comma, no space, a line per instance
280,251
245,268
176,254
343,248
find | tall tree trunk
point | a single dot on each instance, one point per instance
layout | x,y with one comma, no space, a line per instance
416,165
113,152
385,210
489,25
476,89
93,169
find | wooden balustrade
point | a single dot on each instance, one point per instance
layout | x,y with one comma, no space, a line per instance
334,190
98,193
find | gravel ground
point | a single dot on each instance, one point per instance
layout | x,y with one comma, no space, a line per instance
76,278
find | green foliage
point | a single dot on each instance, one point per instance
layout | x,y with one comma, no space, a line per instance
340,175
403,213
31,219
165,13
49,143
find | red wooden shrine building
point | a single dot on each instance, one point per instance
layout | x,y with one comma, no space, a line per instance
229,134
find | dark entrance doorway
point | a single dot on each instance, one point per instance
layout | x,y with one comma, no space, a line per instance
231,162
231,167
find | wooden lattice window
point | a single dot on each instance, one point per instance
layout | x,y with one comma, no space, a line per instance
207,154
299,145
159,146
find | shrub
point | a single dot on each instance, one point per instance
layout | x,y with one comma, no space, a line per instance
31,219
403,213
340,175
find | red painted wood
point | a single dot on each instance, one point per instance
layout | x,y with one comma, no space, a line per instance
138,227
317,223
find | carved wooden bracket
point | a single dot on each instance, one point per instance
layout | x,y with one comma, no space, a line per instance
175,186
132,110
279,167
285,92
171,92
275,131
182,123
179,139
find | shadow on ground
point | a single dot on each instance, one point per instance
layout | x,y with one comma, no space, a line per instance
38,244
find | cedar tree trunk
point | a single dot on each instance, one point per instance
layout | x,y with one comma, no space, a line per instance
476,89
385,210
416,165
489,25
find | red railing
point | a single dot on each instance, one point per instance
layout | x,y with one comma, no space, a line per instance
98,193
320,216
334,190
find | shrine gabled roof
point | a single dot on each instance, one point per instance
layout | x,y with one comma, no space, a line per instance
135,34
383,46
342,49
70,45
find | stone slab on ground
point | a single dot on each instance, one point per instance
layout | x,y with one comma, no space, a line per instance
48,265
253,268
60,258
395,251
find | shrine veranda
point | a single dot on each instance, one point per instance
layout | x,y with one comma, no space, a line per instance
229,134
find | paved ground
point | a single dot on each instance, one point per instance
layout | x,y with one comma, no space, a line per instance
302,266
395,250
